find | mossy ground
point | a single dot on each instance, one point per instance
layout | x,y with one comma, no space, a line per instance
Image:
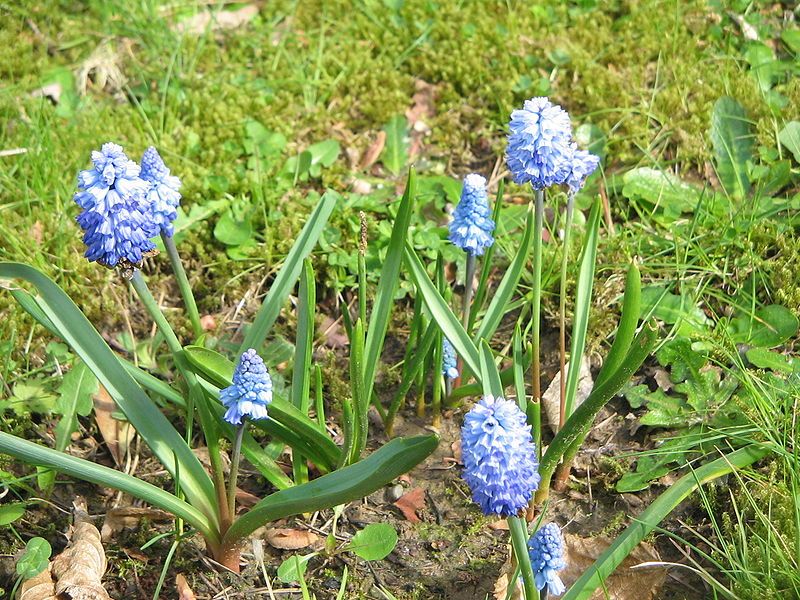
646,73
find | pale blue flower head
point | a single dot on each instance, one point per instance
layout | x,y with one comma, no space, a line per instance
115,217
472,225
546,551
163,194
450,361
499,457
251,391
583,164
539,146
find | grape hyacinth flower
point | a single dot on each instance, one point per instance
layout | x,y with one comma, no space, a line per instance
583,164
499,457
116,219
546,550
163,194
539,146
449,360
472,226
251,391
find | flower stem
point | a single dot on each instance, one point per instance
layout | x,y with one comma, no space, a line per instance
519,542
536,308
562,311
236,455
468,281
183,284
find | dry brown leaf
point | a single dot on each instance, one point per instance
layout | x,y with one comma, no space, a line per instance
422,109
499,525
79,569
623,584
117,434
410,503
129,517
663,379
501,585
551,399
456,448
102,69
223,19
245,499
40,587
290,539
205,459
182,586
372,153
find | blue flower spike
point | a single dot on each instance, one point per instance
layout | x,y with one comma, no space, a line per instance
546,551
251,391
115,216
450,361
540,144
472,225
163,194
583,164
499,456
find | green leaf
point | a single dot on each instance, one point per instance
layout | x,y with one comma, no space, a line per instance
294,567
261,141
594,577
60,85
590,137
679,310
35,558
375,542
159,434
34,454
769,327
732,138
289,272
660,188
340,487
198,213
75,399
11,512
789,136
450,325
583,303
395,151
490,376
791,37
631,309
231,231
323,154
768,359
390,278
508,285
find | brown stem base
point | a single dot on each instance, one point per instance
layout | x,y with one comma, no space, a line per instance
228,557
562,477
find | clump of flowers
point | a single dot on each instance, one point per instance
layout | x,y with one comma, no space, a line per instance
546,550
472,225
163,194
115,215
539,146
251,391
449,361
499,457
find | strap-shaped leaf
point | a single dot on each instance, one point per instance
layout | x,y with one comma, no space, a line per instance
490,376
34,454
286,422
390,279
162,438
631,303
340,487
450,325
289,273
500,300
593,577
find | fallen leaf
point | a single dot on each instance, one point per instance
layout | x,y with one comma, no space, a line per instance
129,517
223,19
41,587
421,110
410,503
456,448
205,459
499,525
182,586
79,569
663,379
290,539
373,152
117,434
208,323
52,91
500,591
102,69
551,399
626,583
245,499
333,334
